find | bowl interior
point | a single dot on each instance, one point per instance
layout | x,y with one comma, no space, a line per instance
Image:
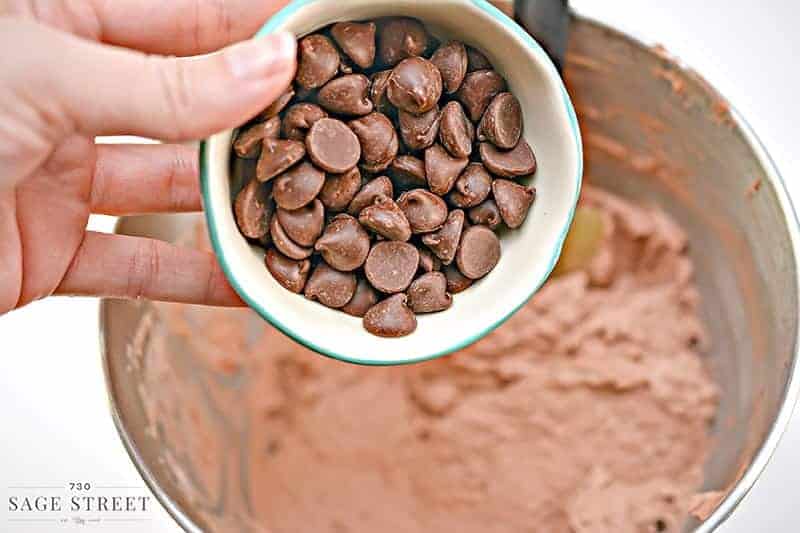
528,254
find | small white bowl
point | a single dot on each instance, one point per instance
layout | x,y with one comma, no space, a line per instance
528,254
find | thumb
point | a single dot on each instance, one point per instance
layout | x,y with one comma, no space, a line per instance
105,90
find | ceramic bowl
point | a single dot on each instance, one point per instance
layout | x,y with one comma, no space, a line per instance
528,254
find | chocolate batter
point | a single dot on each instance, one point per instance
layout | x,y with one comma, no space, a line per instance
587,412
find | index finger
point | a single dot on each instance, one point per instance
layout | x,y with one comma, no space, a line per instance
180,27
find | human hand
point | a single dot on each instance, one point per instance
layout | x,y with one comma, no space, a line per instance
62,83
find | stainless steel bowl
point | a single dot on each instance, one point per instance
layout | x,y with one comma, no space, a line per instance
657,133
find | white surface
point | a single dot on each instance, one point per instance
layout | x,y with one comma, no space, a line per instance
52,401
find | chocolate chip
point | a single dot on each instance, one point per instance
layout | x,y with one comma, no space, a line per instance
371,190
364,298
248,141
299,118
419,131
378,140
253,209
478,89
391,265
277,156
278,105
478,252
303,225
377,92
486,214
502,122
344,244
330,287
319,61
513,200
291,274
400,38
428,262
242,172
456,281
408,172
340,189
424,210
357,40
444,242
333,146
298,186
472,187
456,132
346,95
284,244
519,161
415,85
390,318
385,218
442,169
476,60
428,293
451,60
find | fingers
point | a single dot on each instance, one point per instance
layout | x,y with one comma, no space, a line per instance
145,178
103,90
120,266
181,27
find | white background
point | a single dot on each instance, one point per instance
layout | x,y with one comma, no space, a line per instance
56,426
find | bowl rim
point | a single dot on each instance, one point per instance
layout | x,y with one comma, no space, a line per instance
211,216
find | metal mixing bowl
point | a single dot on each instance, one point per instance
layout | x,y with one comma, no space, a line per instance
655,132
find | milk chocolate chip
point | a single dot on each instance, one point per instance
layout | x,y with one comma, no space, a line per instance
277,156
278,105
344,244
299,118
456,132
424,210
400,38
298,186
363,299
371,190
248,142
378,140
513,200
253,209
478,253
478,89
451,60
377,92
444,242
408,172
428,294
291,274
428,262
303,225
442,169
419,131
333,146
357,40
340,189
472,187
456,281
319,61
415,85
385,218
476,60
284,244
502,122
346,95
391,266
330,287
519,161
390,318
486,214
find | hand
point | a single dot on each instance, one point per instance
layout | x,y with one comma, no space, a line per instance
61,83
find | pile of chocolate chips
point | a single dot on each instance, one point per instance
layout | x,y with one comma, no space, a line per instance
376,182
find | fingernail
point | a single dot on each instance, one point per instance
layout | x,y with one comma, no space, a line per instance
261,57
